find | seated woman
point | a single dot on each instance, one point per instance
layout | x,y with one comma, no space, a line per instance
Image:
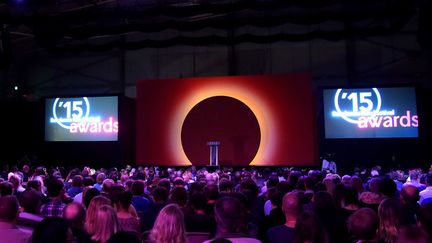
169,226
128,222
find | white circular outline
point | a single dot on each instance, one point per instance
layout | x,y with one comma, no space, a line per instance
55,113
338,110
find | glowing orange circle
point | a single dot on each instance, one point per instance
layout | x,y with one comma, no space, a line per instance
251,99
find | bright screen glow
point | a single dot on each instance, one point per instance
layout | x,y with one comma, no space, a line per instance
81,119
370,113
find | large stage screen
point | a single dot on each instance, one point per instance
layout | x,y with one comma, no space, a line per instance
81,119
264,120
370,113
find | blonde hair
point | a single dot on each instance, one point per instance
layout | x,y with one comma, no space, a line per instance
91,214
169,226
389,214
106,224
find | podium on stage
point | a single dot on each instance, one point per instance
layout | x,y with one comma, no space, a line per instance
214,146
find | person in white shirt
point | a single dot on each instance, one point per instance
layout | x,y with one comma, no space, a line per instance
426,194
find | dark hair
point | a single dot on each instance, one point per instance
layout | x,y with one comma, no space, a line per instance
198,201
54,187
387,187
53,230
225,185
351,196
164,182
123,237
272,181
363,224
309,228
30,200
138,188
88,181
88,195
125,199
160,194
34,184
211,192
6,188
77,181
8,208
230,215
179,196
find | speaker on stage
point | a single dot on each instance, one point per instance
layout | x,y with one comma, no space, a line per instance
214,150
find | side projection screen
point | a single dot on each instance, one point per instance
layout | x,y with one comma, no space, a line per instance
370,113
81,119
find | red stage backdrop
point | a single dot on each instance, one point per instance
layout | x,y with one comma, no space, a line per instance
259,120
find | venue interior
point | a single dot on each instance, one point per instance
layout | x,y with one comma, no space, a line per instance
153,54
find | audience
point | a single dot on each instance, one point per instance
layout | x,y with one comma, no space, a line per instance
9,210
224,205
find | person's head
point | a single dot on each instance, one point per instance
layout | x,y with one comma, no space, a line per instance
9,209
53,230
357,183
138,188
291,205
106,224
363,224
123,200
412,234
100,178
323,203
387,187
88,195
198,201
34,184
91,213
74,214
6,188
123,237
160,195
230,215
77,181
414,175
374,185
16,180
389,213
178,182
55,188
107,184
211,191
429,179
351,197
164,182
410,194
308,228
30,200
346,180
169,226
179,196
88,181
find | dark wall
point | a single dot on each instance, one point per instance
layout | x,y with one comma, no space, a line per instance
23,133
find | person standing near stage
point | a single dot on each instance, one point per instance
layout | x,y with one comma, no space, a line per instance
328,164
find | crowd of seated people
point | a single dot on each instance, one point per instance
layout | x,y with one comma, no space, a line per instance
176,205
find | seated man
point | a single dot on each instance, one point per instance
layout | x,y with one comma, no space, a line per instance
363,225
9,232
230,216
291,206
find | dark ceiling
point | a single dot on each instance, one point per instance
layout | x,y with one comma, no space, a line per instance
66,25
